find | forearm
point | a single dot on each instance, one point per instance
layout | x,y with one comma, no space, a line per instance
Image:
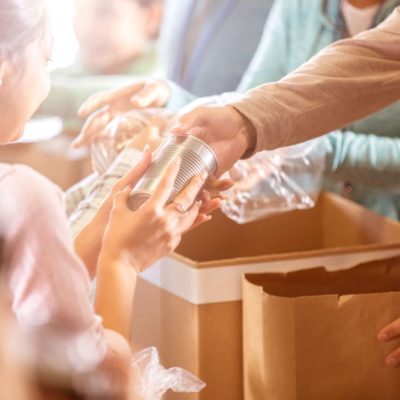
367,159
115,290
345,82
87,245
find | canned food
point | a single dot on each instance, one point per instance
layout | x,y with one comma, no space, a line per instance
196,157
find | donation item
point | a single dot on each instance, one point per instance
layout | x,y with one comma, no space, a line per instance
196,158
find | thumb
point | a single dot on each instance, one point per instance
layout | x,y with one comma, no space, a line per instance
189,120
121,198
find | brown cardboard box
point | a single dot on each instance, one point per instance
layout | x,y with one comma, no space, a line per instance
189,305
54,159
312,334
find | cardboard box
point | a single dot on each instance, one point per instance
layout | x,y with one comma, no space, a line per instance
54,159
189,305
312,334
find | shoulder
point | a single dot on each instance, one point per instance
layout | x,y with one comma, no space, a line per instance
21,184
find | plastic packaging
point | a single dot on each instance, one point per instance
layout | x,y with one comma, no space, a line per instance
152,380
277,181
142,126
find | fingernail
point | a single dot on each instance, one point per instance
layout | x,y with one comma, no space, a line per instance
204,175
180,207
146,149
177,127
383,337
199,203
391,362
209,218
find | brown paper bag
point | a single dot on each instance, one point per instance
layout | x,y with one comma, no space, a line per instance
311,335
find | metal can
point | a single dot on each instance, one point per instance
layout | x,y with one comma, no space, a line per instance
196,157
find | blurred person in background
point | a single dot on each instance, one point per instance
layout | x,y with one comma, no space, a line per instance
45,279
206,45
363,158
117,43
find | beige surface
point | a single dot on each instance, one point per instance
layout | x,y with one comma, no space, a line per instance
53,158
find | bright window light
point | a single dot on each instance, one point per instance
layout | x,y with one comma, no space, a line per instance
65,44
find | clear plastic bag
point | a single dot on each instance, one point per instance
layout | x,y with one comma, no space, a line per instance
152,380
277,181
140,126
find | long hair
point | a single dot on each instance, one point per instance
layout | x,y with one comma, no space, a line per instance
21,22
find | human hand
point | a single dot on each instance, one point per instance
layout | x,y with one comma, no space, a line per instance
101,108
88,242
155,230
224,129
389,333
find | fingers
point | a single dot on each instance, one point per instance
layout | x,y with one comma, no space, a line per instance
186,220
94,125
201,219
153,94
93,103
164,190
105,98
196,131
390,331
189,120
204,212
215,185
186,198
393,359
211,205
121,198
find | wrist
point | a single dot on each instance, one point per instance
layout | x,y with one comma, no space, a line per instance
248,132
114,255
108,255
87,247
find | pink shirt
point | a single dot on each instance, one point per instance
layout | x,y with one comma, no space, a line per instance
47,282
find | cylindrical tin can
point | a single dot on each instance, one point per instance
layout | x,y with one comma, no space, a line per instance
196,157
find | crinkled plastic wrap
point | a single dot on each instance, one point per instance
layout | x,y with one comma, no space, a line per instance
142,126
152,380
277,181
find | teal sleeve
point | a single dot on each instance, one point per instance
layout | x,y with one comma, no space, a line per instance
179,97
364,158
269,61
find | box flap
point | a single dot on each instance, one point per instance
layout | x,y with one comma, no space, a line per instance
374,277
